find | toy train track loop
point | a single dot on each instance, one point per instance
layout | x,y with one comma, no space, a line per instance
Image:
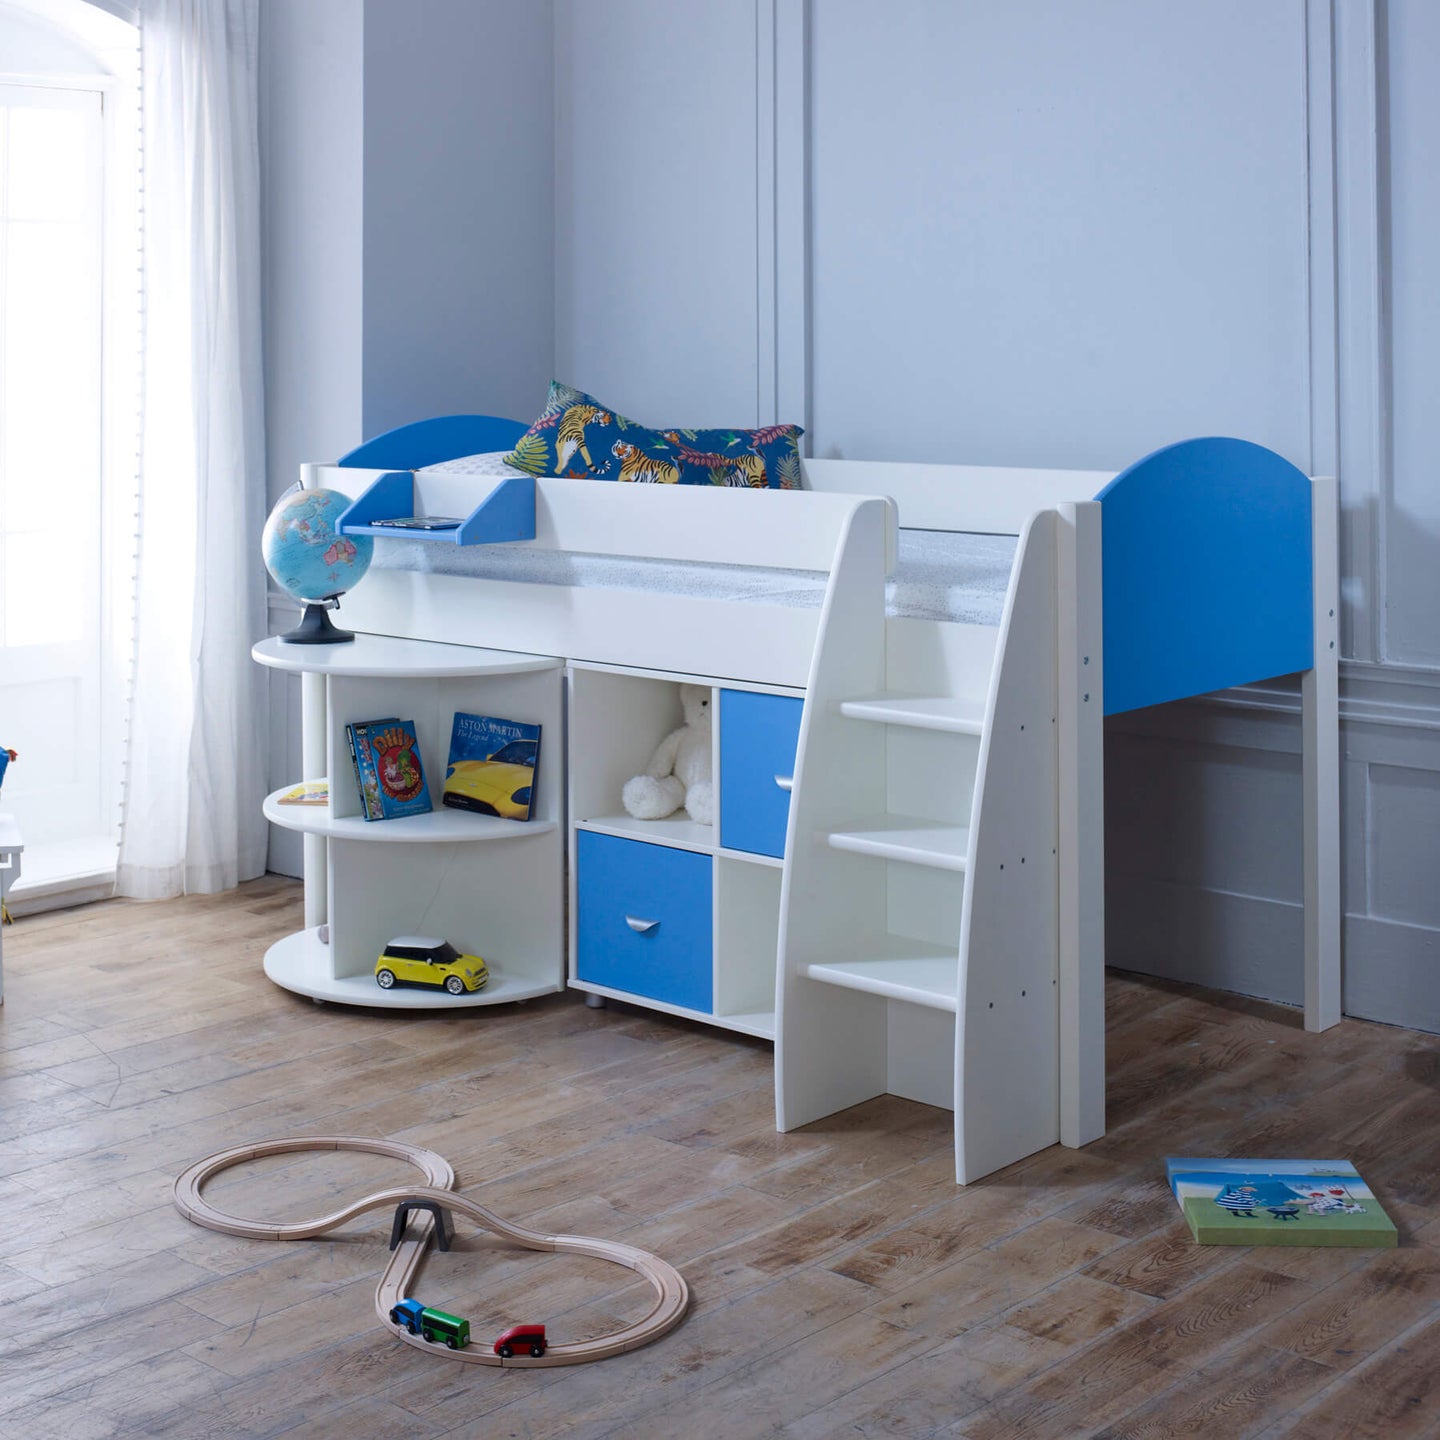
672,1294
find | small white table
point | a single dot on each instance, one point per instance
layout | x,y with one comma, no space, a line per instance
11,847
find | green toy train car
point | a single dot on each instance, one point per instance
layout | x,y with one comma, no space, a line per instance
433,1325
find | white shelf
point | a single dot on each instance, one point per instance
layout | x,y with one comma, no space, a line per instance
907,970
441,826
908,838
760,1022
753,857
682,833
384,657
679,834
956,714
301,962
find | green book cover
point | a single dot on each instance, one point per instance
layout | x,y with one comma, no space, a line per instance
1278,1202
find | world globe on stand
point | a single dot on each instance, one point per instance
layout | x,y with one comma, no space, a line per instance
311,560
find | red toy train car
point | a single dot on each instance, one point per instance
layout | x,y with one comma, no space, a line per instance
521,1337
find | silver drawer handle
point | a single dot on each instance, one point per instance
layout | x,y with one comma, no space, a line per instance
785,782
640,927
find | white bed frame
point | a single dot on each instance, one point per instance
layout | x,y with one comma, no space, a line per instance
991,736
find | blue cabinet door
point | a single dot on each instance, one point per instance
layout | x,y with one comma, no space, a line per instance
644,922
758,736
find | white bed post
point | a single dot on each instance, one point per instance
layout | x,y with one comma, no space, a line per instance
1320,743
1081,824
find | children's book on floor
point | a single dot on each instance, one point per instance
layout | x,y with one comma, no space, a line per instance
1278,1202
492,766
388,768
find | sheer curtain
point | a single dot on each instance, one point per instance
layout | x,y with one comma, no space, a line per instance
196,763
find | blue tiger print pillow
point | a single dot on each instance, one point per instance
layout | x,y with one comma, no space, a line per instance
578,437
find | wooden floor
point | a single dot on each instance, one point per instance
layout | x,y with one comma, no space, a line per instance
844,1286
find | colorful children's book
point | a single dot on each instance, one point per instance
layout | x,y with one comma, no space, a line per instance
307,792
492,766
367,781
1278,1202
388,769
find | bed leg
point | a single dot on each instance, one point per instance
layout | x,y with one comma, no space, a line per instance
1320,748
1080,726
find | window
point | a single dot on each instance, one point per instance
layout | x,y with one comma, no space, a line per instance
69,386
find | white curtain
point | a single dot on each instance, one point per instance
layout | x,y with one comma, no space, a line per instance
196,752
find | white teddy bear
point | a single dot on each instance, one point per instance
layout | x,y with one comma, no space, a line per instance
680,769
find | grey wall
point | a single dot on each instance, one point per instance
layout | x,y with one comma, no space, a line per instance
1056,234
312,191
656,207
407,185
1045,233
459,215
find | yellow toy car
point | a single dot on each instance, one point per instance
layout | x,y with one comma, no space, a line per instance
500,785
422,960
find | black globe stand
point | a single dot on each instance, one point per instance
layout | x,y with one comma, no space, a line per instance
315,627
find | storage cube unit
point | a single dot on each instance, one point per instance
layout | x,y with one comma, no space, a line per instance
670,913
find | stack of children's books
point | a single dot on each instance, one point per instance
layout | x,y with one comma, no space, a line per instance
1278,1202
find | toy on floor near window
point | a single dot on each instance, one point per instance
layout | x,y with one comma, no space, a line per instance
6,756
679,772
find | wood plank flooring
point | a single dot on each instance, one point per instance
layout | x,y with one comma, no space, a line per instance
844,1286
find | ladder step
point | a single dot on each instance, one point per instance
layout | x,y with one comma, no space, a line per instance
908,838
899,969
958,714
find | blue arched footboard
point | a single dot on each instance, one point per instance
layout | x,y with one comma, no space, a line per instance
1207,562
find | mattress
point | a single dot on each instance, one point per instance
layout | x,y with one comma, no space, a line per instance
939,574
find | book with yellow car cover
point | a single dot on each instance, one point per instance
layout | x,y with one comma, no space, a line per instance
492,766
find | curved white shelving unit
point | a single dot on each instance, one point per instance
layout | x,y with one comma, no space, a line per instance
384,657
301,962
440,827
489,885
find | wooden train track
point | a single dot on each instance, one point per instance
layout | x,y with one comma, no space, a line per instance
672,1294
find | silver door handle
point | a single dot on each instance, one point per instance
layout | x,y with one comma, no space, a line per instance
785,782
640,927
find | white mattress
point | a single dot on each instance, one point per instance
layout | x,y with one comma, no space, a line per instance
939,575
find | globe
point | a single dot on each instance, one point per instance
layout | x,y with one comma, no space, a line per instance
308,558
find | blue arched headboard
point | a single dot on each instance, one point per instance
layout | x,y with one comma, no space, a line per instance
1207,559
431,442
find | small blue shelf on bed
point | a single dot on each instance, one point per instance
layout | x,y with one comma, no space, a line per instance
506,513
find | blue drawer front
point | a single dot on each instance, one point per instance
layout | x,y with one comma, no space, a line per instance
758,736
619,881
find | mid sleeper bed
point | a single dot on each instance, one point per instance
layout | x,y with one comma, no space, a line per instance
911,665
